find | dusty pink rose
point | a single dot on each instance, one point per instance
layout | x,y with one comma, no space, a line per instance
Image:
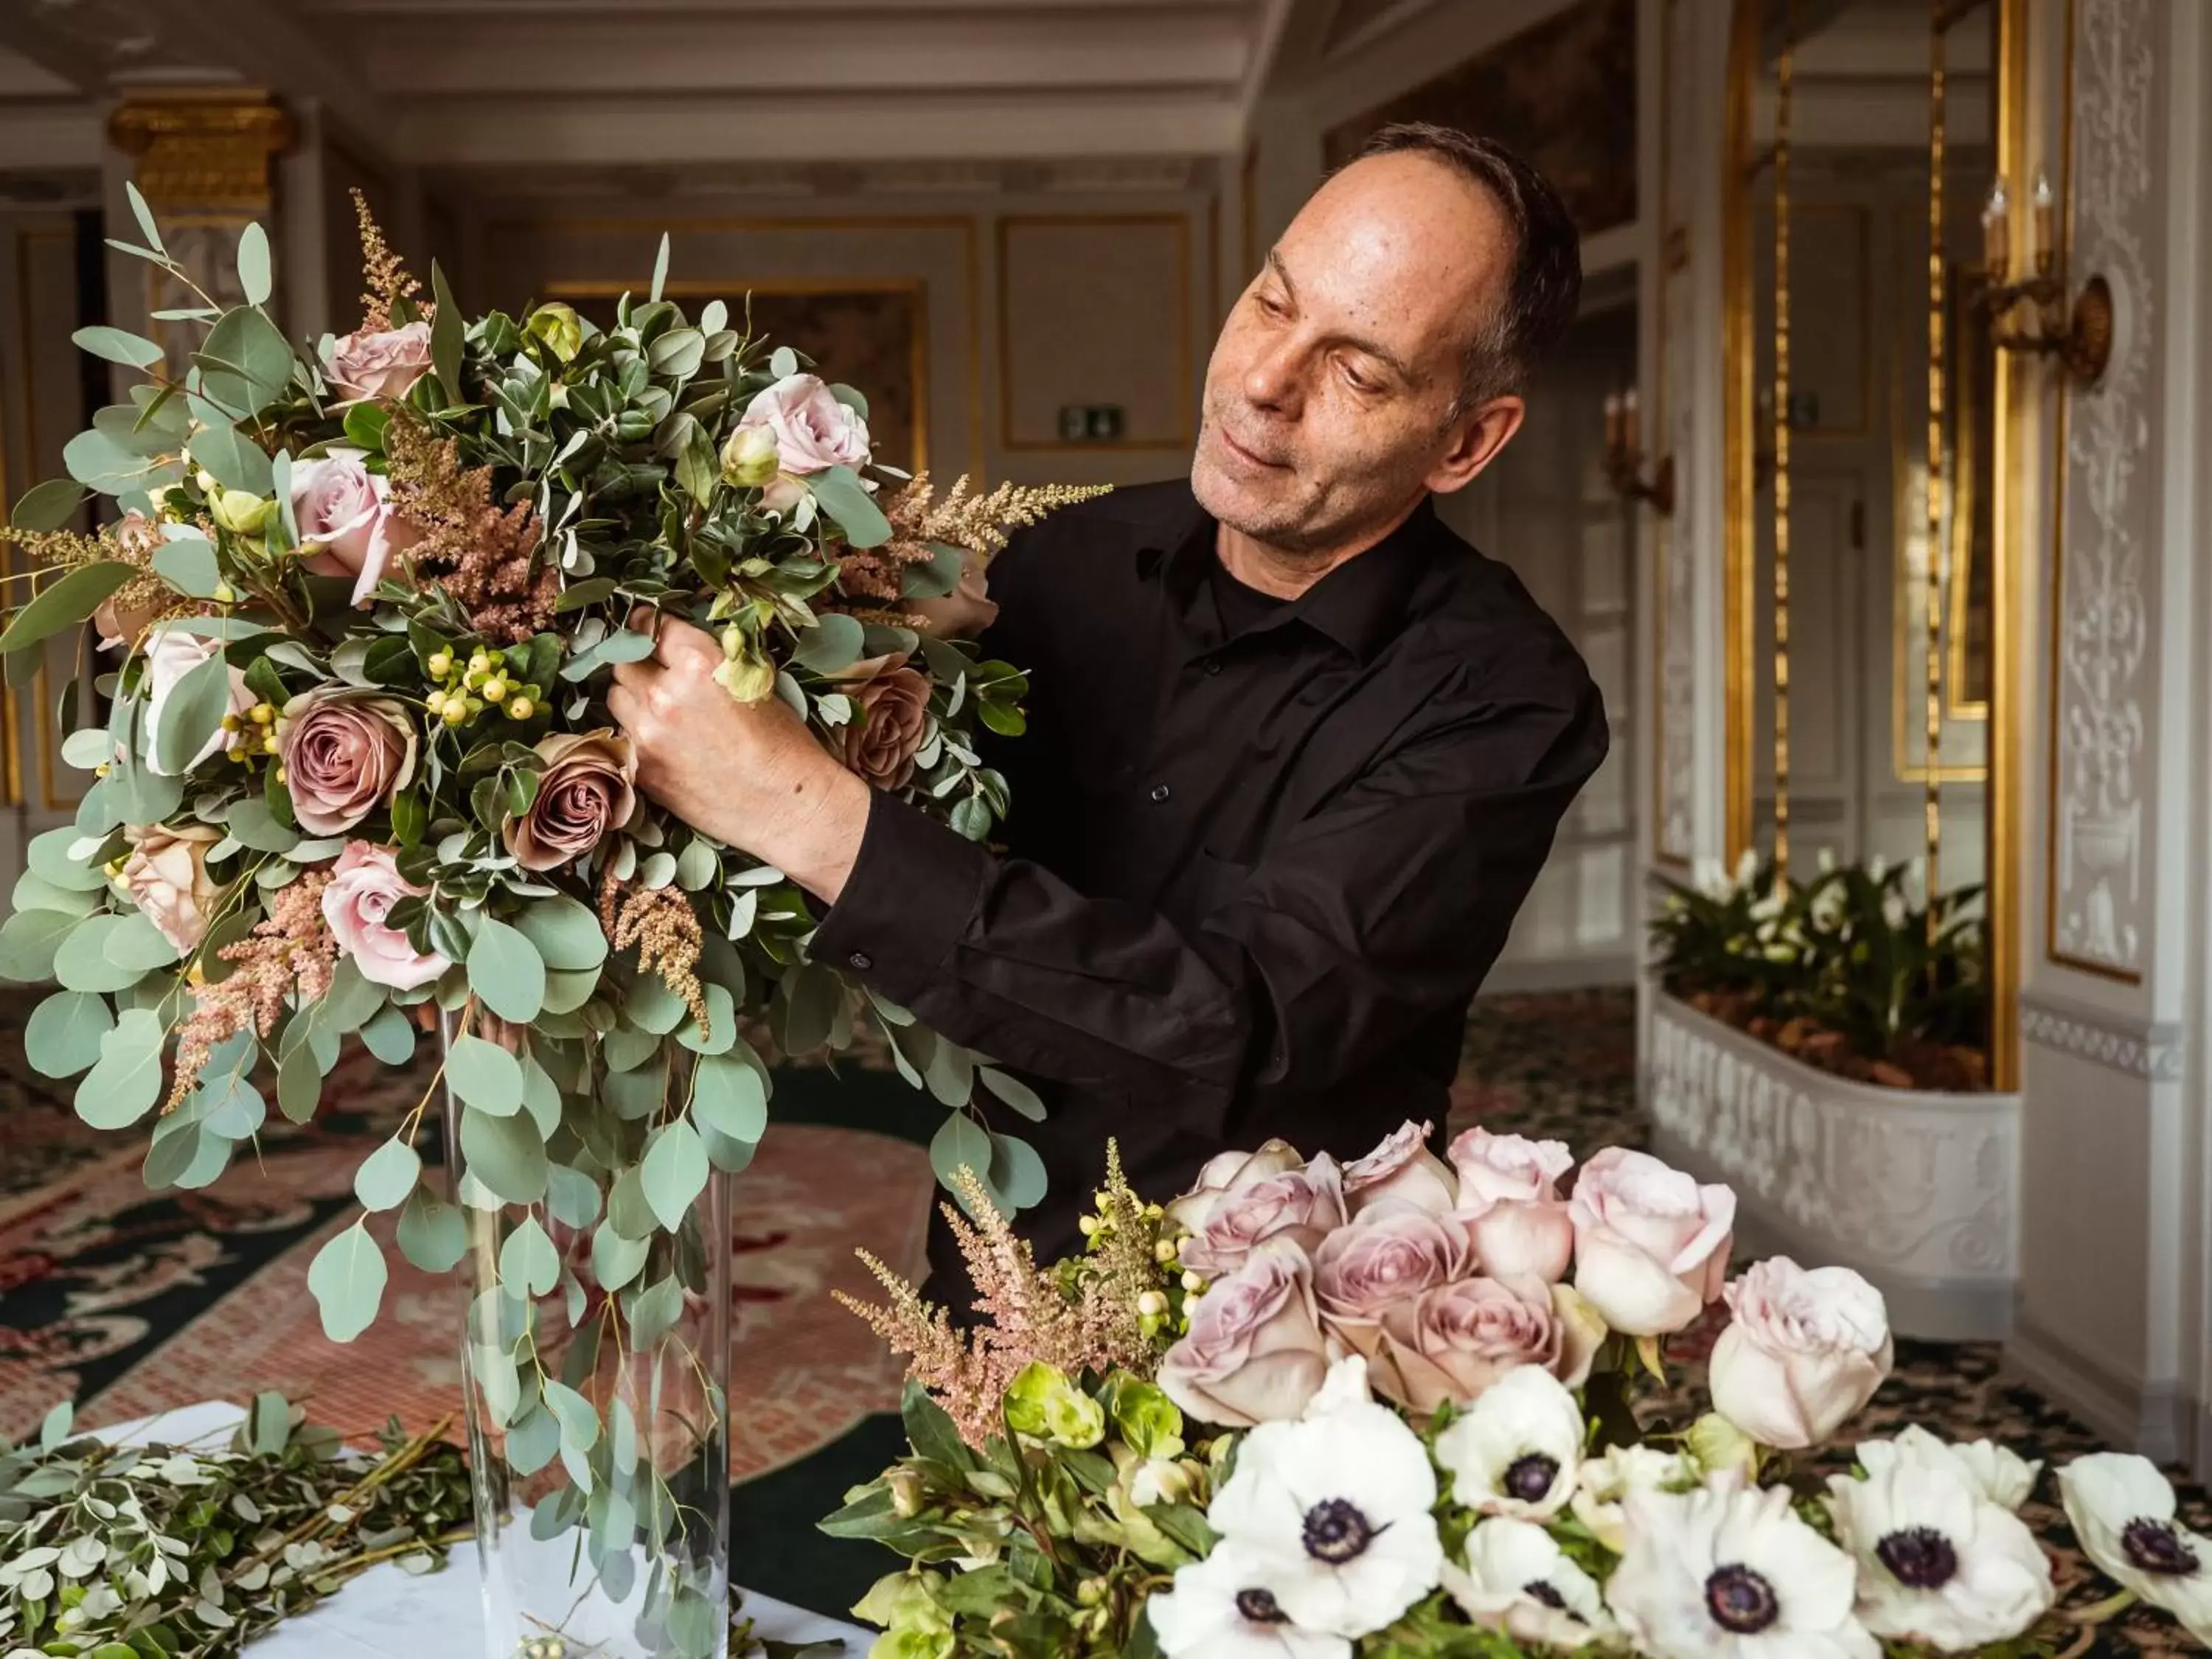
170,655
365,884
117,623
1402,1170
1652,1245
166,876
1225,1173
345,754
1256,1353
1804,1352
1453,1341
1510,1202
346,521
1302,1206
1386,1257
891,718
587,790
813,431
964,612
381,362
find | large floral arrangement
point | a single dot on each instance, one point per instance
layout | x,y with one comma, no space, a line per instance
360,606
1857,970
1407,1406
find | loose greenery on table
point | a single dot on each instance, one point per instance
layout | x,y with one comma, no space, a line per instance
189,1551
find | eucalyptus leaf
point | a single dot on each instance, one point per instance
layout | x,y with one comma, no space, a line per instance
64,604
486,1077
65,1031
387,1176
506,1154
433,1235
507,972
254,277
346,1278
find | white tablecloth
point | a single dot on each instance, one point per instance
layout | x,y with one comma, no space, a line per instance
392,1614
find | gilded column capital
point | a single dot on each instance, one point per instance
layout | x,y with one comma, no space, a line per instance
203,150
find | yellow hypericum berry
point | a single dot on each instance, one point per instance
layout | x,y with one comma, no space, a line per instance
1152,1304
520,708
280,775
206,482
1164,1251
479,663
456,711
225,593
269,744
1088,1225
442,664
232,723
263,714
1193,1283
495,690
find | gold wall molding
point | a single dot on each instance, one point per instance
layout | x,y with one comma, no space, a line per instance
1185,391
1674,699
203,150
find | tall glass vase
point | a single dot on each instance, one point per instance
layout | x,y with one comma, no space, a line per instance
596,1344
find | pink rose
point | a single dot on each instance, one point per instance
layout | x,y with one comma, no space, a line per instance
170,655
890,719
117,619
1386,1257
1225,1173
1302,1206
365,884
166,877
345,754
813,431
1402,1168
964,612
1803,1355
380,362
1651,1246
347,525
1256,1353
587,791
1509,1203
1454,1340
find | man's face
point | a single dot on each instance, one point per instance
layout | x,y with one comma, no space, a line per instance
1328,395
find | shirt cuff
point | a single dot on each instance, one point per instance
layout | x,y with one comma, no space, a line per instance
914,888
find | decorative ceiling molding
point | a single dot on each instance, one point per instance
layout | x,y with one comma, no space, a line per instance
1091,176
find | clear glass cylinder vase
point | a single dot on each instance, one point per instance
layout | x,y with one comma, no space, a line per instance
595,1348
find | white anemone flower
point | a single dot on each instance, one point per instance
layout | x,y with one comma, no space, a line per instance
1518,1450
1517,1580
2003,1477
1939,1563
2122,1509
1606,1480
1728,1572
1340,1502
1225,1607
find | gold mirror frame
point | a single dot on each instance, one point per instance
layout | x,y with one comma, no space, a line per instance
2002,813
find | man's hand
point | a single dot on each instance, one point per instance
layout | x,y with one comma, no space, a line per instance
751,775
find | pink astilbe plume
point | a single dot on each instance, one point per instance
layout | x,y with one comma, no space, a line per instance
1087,1319
292,951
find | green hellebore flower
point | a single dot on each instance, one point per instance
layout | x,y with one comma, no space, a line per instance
240,511
749,457
1148,1420
558,327
1718,1445
1045,1404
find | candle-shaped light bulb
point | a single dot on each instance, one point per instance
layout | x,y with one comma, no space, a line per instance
2044,208
1996,213
1628,432
1612,424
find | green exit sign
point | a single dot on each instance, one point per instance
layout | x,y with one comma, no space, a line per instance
1091,423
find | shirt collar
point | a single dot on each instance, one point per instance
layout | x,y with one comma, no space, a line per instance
1359,606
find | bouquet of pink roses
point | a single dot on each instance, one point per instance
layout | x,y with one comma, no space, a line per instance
1407,1406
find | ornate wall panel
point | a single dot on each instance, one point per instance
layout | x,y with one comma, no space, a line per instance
2103,682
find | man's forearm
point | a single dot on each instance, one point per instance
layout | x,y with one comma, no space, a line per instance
810,826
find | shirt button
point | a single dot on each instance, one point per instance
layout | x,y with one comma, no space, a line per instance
1161,792
860,962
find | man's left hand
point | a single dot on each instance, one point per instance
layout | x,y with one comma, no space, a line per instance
749,774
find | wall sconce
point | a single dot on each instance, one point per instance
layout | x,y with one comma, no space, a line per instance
2031,315
1624,458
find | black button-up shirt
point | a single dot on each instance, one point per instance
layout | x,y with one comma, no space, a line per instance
1256,869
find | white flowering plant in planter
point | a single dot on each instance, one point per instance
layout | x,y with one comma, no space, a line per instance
1406,1408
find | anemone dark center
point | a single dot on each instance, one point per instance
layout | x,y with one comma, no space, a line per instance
2154,1547
1258,1607
1336,1532
1920,1558
1740,1600
1530,1478
1538,1589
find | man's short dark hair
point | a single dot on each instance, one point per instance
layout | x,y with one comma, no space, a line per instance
1544,285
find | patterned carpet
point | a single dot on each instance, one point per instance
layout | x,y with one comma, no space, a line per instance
132,1302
